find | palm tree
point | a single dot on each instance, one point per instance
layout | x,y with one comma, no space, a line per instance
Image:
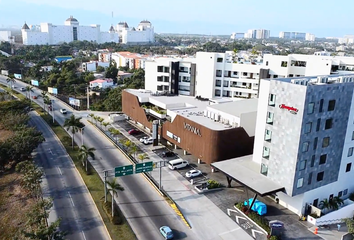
91,115
325,204
73,124
133,149
84,153
10,80
96,119
100,119
44,95
114,188
114,132
46,101
336,202
142,157
29,89
105,124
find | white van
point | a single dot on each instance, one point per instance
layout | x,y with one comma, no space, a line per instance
177,164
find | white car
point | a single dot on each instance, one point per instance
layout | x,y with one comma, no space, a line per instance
150,140
193,173
142,140
63,111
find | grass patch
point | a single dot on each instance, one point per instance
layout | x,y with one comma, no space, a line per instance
94,185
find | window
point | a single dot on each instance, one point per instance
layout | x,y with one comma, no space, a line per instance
353,135
315,143
159,78
309,180
318,125
310,108
271,100
349,166
217,92
350,152
218,83
235,73
225,83
284,64
219,60
166,69
325,142
315,202
308,127
302,165
321,105
264,169
313,161
320,176
268,135
275,76
159,68
298,63
323,159
331,105
345,192
328,124
300,182
266,152
305,146
270,117
340,194
266,63
218,73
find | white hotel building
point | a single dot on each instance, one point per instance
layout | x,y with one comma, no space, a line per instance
215,75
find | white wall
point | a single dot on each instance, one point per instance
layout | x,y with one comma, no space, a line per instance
5,36
206,72
248,122
294,204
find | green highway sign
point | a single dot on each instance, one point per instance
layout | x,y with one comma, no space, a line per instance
123,170
143,167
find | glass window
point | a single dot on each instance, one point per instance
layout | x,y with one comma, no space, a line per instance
305,146
320,176
266,152
302,165
350,152
349,166
340,194
329,123
264,169
309,180
268,135
345,192
315,143
323,159
300,182
321,105
219,60
353,135
271,101
325,142
313,161
318,124
270,117
308,127
310,108
331,105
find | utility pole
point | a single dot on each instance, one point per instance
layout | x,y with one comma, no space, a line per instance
105,185
161,164
53,109
88,98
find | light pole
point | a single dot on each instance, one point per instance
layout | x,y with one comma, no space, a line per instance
53,109
82,135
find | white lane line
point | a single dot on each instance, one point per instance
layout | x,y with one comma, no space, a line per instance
60,171
83,234
72,202
50,150
233,230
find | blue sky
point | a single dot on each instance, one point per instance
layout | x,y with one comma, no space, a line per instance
321,17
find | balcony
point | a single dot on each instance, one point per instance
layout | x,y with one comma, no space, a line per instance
155,111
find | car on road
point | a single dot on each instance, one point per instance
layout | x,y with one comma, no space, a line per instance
50,107
63,111
142,140
34,97
133,131
166,232
168,154
23,89
149,140
193,173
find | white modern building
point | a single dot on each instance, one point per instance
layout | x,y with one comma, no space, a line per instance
347,39
6,36
257,34
292,35
49,34
142,34
92,65
235,36
310,37
101,83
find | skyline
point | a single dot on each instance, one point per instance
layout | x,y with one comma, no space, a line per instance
189,16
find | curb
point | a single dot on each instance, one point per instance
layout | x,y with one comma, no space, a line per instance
174,205
77,171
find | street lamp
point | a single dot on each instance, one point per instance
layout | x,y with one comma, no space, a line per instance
82,135
53,109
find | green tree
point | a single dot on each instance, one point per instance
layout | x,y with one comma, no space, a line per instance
29,90
114,132
99,69
10,80
112,71
142,157
32,177
350,225
84,154
73,124
114,187
105,124
325,204
133,149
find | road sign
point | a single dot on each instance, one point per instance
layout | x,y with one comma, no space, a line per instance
123,170
143,167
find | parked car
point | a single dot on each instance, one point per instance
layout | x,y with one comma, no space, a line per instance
166,232
34,97
168,154
193,173
142,140
23,89
177,164
150,140
133,131
63,111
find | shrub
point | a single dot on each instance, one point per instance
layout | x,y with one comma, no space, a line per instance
117,219
66,140
261,221
213,184
314,215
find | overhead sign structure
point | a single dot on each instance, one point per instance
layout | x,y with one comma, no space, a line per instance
123,170
35,83
74,101
143,167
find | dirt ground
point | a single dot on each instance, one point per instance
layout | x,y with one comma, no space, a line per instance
14,204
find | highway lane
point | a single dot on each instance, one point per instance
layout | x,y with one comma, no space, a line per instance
143,207
71,199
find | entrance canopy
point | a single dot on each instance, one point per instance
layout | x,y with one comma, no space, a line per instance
246,172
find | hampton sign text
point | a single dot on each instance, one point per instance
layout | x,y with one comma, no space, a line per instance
192,129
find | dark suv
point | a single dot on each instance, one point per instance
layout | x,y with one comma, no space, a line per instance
168,154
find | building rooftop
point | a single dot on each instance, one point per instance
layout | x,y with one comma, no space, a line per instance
102,80
72,19
195,109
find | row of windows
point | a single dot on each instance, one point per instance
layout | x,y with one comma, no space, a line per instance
306,145
340,194
328,125
319,178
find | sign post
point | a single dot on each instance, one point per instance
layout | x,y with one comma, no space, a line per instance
123,170
144,167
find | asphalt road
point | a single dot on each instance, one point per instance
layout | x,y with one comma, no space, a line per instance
140,203
71,199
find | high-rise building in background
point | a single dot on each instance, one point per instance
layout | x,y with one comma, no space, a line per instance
257,34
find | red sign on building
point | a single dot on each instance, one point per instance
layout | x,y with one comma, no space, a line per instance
290,109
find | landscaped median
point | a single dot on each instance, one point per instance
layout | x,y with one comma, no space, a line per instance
94,184
147,176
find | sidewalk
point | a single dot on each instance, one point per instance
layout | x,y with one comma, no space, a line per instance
205,218
332,232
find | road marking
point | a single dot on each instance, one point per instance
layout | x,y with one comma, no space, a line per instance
230,210
50,150
256,231
236,229
237,217
83,234
72,202
60,171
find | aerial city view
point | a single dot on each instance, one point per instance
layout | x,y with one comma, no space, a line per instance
194,120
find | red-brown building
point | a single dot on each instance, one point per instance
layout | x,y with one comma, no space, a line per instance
211,130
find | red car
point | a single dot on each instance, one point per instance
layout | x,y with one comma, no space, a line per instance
34,97
133,131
